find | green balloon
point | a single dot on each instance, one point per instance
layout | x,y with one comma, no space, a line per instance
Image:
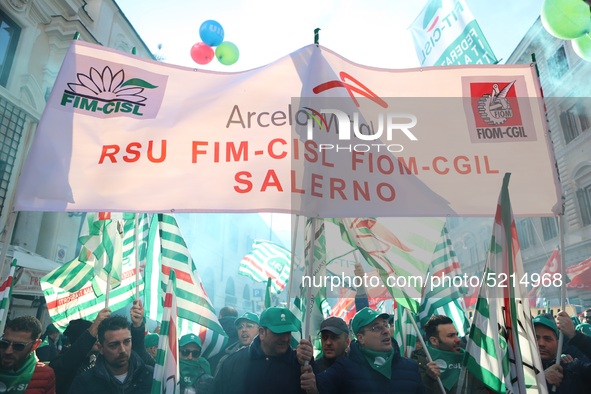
227,53
582,47
566,19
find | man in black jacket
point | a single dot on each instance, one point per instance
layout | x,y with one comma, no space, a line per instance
374,364
118,369
269,364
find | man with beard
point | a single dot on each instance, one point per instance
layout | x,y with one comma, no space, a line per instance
444,346
334,338
19,370
269,364
374,364
118,369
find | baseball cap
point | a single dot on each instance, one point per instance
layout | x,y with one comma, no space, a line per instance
366,316
336,325
51,329
251,317
190,338
545,321
585,328
151,340
279,320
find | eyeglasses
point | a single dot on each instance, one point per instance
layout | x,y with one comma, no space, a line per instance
378,327
196,353
587,317
16,346
245,325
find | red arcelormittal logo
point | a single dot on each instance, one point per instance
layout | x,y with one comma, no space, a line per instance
360,89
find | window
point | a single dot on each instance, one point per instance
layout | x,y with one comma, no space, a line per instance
558,64
574,121
9,33
582,177
246,304
525,232
549,228
584,200
12,123
230,293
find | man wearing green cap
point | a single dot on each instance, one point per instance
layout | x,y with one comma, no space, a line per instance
374,364
269,364
247,327
194,369
443,345
151,344
571,375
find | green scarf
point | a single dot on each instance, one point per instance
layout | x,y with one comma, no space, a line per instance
191,370
380,361
450,364
17,381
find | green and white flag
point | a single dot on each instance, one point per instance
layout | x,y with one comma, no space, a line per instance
404,331
501,349
442,295
168,251
71,290
401,258
5,293
267,260
166,368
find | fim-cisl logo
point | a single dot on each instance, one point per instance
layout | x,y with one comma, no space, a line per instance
108,94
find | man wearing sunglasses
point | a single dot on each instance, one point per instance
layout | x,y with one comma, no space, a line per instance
118,369
19,370
194,369
374,364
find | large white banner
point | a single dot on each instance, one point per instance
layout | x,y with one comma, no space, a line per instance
312,134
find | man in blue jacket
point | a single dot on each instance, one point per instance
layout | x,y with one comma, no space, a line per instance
374,364
268,365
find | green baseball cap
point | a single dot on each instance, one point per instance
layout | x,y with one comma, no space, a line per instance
151,340
545,321
585,328
251,317
190,338
364,317
279,320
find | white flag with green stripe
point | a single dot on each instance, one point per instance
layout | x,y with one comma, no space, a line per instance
396,253
501,349
72,291
441,294
168,250
267,260
166,368
404,331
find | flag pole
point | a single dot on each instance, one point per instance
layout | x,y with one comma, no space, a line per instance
291,266
137,255
414,324
309,259
562,287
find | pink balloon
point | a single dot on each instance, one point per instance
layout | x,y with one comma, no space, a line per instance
202,53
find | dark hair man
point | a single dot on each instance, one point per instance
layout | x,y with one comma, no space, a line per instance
444,346
269,364
19,370
118,369
334,338
227,317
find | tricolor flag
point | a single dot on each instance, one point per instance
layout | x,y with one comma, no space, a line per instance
166,369
267,260
393,256
441,295
552,267
579,275
5,292
446,33
501,349
168,251
71,290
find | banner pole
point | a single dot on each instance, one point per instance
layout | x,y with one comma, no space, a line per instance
291,266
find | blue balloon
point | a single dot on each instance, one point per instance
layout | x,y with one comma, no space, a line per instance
211,33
